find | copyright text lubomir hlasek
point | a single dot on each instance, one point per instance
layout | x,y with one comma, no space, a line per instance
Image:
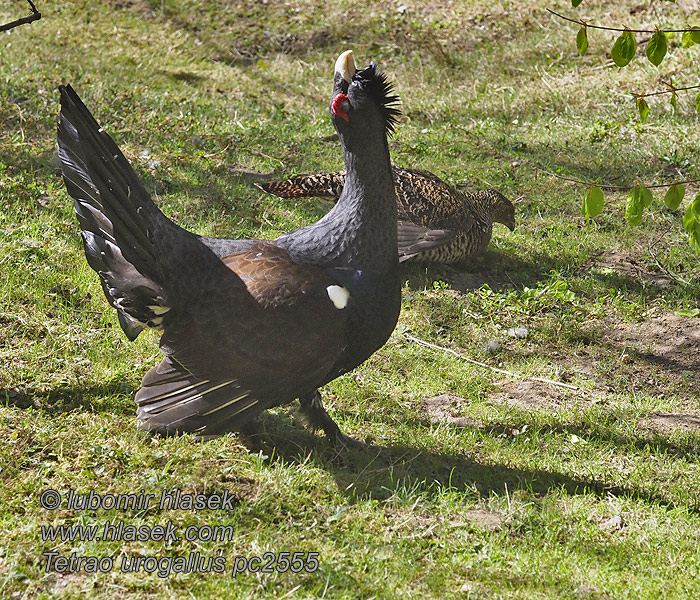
174,499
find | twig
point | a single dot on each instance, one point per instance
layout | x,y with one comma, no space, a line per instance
485,366
593,26
35,16
216,153
671,90
622,188
268,157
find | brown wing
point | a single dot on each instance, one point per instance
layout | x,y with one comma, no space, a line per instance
264,333
415,239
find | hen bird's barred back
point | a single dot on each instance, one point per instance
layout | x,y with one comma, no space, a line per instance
437,223
247,324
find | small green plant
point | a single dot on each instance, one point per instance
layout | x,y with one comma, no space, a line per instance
527,301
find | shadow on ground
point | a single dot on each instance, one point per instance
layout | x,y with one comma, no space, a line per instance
115,397
380,471
498,270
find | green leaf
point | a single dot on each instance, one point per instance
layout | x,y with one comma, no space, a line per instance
674,196
575,3
624,48
638,199
691,223
647,196
643,109
582,40
593,202
691,219
687,312
674,102
656,48
697,102
694,240
695,35
634,208
687,39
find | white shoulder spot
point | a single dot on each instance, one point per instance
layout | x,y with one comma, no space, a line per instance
338,295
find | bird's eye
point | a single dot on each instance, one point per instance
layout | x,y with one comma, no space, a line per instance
345,106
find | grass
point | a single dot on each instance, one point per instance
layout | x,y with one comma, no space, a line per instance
501,487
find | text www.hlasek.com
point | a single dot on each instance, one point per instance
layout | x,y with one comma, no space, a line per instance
117,530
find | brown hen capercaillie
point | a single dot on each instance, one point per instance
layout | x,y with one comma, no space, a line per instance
436,222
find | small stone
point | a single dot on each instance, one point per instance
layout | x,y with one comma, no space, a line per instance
467,587
492,347
197,141
614,522
518,332
586,591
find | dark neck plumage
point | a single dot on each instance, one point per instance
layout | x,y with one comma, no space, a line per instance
360,230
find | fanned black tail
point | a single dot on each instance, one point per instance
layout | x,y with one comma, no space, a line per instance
117,216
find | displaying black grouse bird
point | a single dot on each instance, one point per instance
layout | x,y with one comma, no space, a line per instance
247,324
436,222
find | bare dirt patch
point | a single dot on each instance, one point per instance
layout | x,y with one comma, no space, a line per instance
530,395
482,518
444,409
626,265
669,343
422,521
659,356
671,422
464,282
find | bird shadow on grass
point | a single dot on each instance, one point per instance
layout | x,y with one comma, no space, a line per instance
498,270
378,472
110,397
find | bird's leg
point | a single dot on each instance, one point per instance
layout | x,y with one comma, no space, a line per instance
252,432
311,407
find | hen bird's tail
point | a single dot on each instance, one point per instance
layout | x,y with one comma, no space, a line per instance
303,186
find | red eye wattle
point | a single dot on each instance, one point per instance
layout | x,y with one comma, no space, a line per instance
340,106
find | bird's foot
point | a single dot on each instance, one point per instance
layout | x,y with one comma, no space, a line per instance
347,442
312,408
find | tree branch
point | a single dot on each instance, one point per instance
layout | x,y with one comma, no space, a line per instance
485,366
35,16
593,26
621,188
671,90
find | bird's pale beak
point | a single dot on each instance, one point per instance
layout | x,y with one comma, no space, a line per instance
345,65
